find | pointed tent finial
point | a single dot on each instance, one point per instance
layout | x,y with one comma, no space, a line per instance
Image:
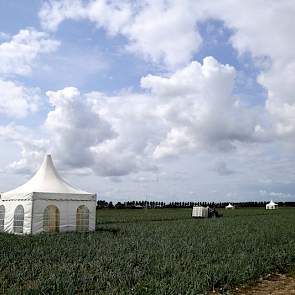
48,157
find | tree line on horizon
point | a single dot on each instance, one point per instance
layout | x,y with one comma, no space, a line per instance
157,204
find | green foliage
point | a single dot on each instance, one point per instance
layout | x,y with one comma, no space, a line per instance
150,251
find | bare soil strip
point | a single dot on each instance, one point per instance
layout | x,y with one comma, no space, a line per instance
275,285
279,284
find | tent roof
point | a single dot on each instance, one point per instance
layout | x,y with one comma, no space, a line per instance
229,206
272,203
47,180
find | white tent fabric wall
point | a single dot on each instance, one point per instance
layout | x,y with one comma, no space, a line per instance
67,211
200,212
47,189
271,205
10,207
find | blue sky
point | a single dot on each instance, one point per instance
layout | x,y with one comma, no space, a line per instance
171,100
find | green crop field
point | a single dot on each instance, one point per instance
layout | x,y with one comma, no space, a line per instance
150,251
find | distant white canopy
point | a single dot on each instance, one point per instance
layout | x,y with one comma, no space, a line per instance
47,203
229,206
271,205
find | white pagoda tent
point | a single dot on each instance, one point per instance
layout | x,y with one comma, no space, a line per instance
46,203
229,206
271,205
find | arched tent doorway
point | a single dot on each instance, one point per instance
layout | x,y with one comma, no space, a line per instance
18,219
2,217
51,219
82,219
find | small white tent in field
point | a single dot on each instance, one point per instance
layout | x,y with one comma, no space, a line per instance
271,205
46,203
229,206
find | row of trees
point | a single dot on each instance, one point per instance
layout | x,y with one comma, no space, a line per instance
155,204
132,204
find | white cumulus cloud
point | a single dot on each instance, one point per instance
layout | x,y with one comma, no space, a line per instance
74,129
32,149
160,31
18,54
199,109
17,100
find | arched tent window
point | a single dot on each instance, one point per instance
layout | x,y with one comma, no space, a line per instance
18,220
51,219
82,219
2,217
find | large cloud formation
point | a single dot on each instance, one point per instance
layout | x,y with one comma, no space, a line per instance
192,109
200,110
166,32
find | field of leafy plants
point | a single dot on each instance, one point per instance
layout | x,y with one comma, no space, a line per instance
150,251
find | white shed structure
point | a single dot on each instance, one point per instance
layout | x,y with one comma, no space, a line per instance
46,203
200,212
229,206
271,205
